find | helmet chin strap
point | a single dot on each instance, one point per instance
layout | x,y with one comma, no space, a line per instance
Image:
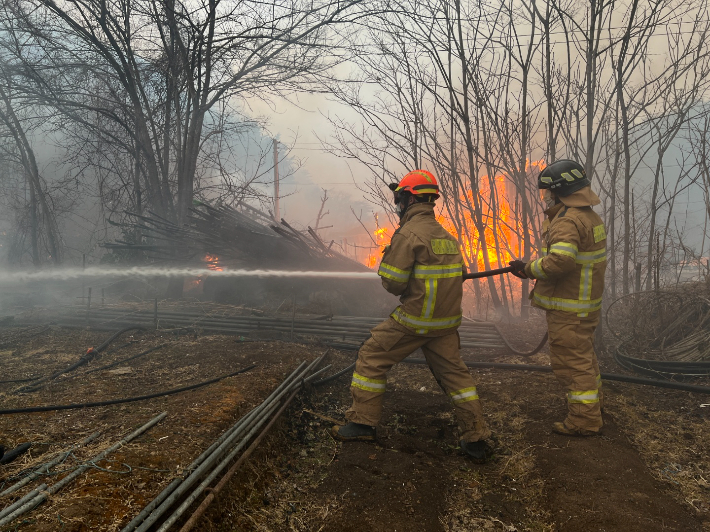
402,203
550,198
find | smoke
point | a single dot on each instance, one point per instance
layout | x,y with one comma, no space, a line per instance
67,274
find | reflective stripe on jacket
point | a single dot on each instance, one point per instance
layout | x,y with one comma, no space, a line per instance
570,274
423,265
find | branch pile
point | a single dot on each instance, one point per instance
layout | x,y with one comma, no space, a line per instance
242,237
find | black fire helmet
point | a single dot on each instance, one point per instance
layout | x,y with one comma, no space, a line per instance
563,177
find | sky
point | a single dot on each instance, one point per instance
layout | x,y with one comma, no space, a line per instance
301,193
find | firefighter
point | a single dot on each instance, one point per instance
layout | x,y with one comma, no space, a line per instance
569,285
422,265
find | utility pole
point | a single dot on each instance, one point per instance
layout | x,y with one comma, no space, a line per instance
277,214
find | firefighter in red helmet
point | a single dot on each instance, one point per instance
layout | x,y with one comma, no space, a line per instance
424,266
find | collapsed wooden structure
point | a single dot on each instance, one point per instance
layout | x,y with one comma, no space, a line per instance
223,236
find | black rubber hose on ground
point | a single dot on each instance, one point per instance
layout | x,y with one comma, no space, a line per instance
91,353
11,455
605,376
30,379
123,400
547,369
700,368
352,366
123,361
20,380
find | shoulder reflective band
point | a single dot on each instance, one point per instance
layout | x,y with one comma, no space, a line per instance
591,257
568,305
585,397
544,251
464,395
391,272
599,233
439,271
369,385
536,269
564,248
424,324
442,246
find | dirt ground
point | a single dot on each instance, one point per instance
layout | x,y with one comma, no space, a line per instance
649,471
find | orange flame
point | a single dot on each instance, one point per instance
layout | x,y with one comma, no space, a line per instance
501,226
212,262
382,238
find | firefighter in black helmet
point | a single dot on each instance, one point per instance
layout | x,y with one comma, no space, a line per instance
569,285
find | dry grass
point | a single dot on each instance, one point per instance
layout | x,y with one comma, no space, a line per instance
105,499
670,431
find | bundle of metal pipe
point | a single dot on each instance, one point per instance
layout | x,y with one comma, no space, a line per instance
44,468
42,492
473,334
208,466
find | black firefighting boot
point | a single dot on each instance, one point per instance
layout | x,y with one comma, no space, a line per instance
2,450
353,432
478,451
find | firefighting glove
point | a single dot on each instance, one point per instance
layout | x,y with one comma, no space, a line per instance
518,268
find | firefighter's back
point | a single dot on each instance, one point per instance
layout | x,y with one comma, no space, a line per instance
432,303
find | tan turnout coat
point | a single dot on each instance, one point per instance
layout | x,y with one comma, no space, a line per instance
423,265
570,272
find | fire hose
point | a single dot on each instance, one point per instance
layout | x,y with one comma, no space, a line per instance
90,354
488,273
53,408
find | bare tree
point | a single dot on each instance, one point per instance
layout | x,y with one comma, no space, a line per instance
42,213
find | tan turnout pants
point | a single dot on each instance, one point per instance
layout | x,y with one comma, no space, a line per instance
575,365
389,345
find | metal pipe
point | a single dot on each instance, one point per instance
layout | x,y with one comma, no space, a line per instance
285,319
15,505
341,325
305,325
43,469
467,341
213,457
356,333
244,424
211,476
54,488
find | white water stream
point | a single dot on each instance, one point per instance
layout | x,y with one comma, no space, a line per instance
66,274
